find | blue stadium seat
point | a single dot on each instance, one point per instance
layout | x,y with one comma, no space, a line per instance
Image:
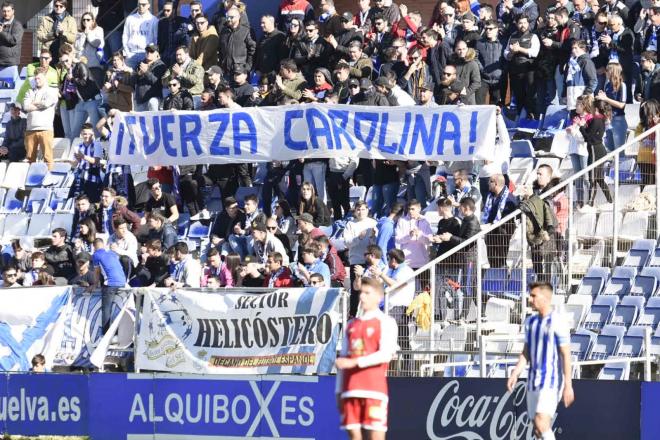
494,281
639,253
626,312
655,258
644,286
581,342
457,371
598,316
198,230
615,371
624,272
356,193
613,330
11,203
591,286
514,282
650,316
36,174
522,148
555,118
604,347
617,286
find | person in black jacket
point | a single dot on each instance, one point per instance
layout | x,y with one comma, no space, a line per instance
236,45
491,60
522,51
60,255
13,144
11,35
178,99
648,83
147,80
271,47
620,42
437,56
172,33
593,132
153,268
224,224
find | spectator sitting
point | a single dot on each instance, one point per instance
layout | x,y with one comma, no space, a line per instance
124,244
11,38
226,272
313,205
57,29
161,202
322,84
22,254
243,90
361,66
224,224
140,30
189,74
207,101
240,241
10,278
147,80
271,226
38,264
225,96
286,224
311,264
373,259
160,229
153,269
84,277
44,279
264,243
110,276
290,82
83,210
277,274
179,97
13,144
317,280
38,364
85,237
39,104
204,44
186,271
109,208
59,255
331,258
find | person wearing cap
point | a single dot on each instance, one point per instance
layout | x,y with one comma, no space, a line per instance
341,40
264,243
13,143
204,44
189,74
236,45
243,90
418,73
341,89
470,31
84,277
330,22
290,82
147,80
384,86
361,65
214,80
467,70
172,33
426,98
140,30
271,48
353,90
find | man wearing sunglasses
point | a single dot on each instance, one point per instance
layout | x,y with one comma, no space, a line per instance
10,277
140,30
57,28
11,35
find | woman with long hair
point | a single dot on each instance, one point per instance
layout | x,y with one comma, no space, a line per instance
229,273
89,44
593,132
615,94
649,117
286,224
310,203
86,236
577,147
294,36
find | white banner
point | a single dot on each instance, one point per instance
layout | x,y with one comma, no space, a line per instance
284,331
264,134
62,325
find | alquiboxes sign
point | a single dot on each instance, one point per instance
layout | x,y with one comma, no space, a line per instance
141,406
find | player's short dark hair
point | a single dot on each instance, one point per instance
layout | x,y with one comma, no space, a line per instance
543,285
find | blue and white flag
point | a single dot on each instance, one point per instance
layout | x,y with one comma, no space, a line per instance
285,331
28,318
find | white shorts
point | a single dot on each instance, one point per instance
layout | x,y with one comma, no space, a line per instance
542,401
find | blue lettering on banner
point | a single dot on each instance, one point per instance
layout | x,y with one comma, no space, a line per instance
318,131
372,120
447,134
216,148
249,136
426,135
289,142
339,121
190,135
149,146
168,135
473,132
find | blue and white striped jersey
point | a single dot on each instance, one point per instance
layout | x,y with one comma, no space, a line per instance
543,337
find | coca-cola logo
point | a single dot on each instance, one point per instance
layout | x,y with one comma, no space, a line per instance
453,416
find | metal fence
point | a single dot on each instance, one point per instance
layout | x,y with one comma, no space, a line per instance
481,286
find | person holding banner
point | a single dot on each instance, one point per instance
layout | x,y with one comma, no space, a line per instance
369,345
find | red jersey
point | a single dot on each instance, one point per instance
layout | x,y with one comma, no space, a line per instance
371,338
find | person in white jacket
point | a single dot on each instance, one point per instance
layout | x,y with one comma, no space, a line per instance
39,104
89,44
124,244
359,233
140,30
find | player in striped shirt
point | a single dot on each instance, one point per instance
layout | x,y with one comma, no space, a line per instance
548,351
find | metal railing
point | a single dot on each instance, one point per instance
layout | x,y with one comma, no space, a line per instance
496,266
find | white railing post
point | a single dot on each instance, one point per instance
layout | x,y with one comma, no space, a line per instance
615,210
139,302
482,356
569,237
477,276
657,185
432,293
523,283
647,360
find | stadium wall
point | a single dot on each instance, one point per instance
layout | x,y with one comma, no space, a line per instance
141,406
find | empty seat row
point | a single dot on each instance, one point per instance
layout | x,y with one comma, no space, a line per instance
612,342
33,225
39,201
625,280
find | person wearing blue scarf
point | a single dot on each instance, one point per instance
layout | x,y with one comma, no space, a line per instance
499,203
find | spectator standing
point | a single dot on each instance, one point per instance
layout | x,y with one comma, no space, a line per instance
649,116
118,89
299,10
85,158
163,231
271,47
489,56
89,96
57,29
43,65
172,33
340,172
412,235
499,203
580,76
386,227
243,90
89,43
59,255
140,30
467,71
147,80
385,174
615,93
124,244
521,51
39,104
311,204
648,84
109,208
236,45
188,73
84,276
593,131
577,147
204,44
13,144
11,37
358,234
110,276
620,44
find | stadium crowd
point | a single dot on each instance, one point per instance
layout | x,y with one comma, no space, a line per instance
593,57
